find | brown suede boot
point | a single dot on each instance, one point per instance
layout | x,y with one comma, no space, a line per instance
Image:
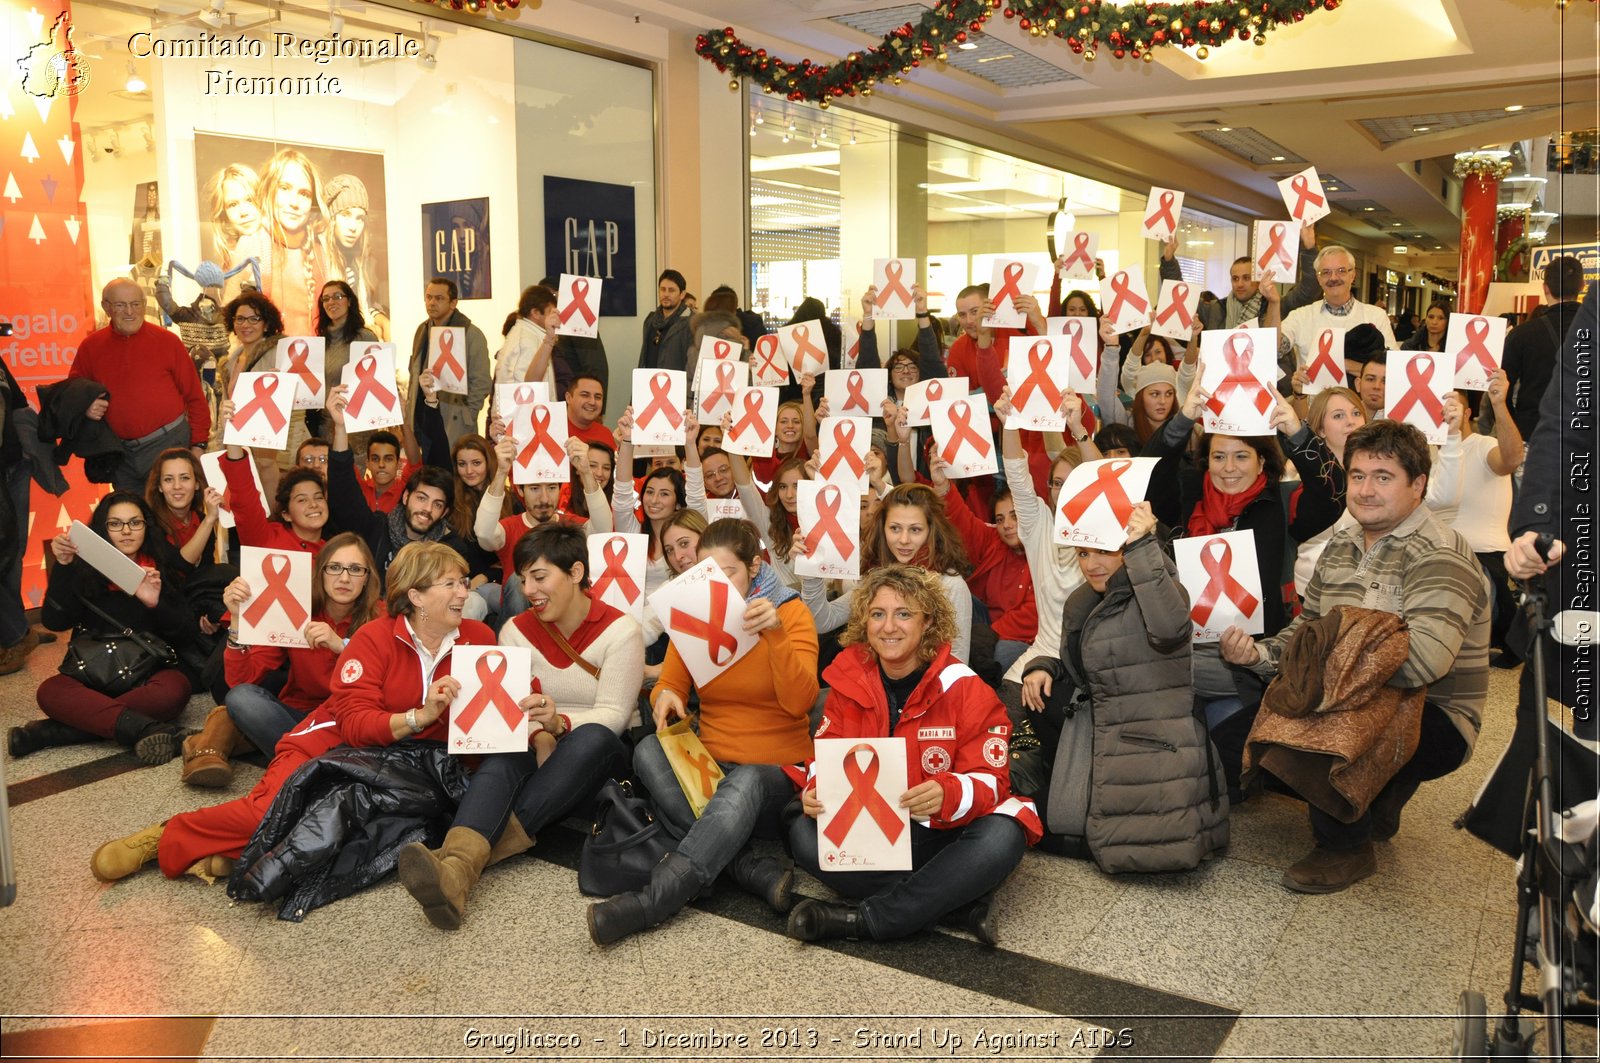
441,879
205,755
513,841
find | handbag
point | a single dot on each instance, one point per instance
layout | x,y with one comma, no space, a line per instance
624,845
116,663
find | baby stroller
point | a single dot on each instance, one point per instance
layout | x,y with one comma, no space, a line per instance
1551,777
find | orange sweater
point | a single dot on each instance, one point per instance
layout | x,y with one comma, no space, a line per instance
757,712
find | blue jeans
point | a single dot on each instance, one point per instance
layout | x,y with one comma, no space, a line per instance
13,615
750,799
950,868
259,716
513,601
1006,652
513,783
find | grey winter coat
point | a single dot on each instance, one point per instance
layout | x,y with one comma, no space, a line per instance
1157,799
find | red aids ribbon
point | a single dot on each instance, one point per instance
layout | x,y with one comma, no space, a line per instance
1323,363
579,304
829,499
1163,213
525,395
299,352
721,349
1275,248
855,347
1122,292
1107,483
804,348
1419,391
660,402
542,439
1303,195
615,551
1180,293
1038,379
491,669
1239,378
844,449
1073,330
705,767
260,402
447,358
768,350
1220,581
275,570
961,431
754,406
1011,281
367,383
864,797
856,399
931,394
1080,253
1477,331
720,645
722,390
892,284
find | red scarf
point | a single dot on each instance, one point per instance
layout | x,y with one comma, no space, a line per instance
1216,511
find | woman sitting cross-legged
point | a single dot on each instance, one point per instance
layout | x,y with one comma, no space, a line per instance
753,721
897,678
588,662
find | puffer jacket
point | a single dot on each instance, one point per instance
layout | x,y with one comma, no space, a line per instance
340,821
1157,800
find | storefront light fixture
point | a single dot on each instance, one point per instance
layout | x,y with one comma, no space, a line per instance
430,50
1057,226
213,15
335,18
135,84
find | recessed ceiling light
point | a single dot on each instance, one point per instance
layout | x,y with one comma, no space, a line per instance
1513,108
966,46
1438,247
1399,249
996,58
1369,209
1224,128
1277,158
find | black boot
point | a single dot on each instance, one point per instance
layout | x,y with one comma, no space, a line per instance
42,734
765,877
814,920
152,742
674,883
976,918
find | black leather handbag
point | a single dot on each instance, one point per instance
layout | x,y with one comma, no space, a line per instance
114,664
624,845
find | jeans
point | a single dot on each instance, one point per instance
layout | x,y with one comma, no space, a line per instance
1006,652
1440,751
259,716
513,601
490,595
13,615
508,784
750,799
950,868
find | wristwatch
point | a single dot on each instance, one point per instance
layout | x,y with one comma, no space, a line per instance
411,722
1081,438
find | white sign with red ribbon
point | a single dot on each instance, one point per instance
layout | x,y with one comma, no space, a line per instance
752,430
1162,209
1175,310
769,365
106,559
963,438
1325,365
1037,372
703,616
659,399
1304,197
1083,348
1239,368
859,782
262,403
305,358
921,396
211,465
617,562
1078,256
855,392
842,444
1010,282
894,278
805,346
374,397
717,349
447,357
578,306
1414,387
852,354
540,431
1476,346
485,716
1277,248
714,384
1223,581
1126,301
508,397
279,606
1097,499
830,529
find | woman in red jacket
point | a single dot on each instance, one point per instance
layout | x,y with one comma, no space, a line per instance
392,684
301,497
897,678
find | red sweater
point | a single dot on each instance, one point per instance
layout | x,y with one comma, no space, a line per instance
150,378
386,502
309,669
380,673
595,433
1000,576
253,526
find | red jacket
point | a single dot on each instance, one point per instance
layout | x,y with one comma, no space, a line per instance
252,523
1000,576
380,673
955,728
309,669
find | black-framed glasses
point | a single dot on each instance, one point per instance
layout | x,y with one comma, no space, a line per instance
132,524
335,568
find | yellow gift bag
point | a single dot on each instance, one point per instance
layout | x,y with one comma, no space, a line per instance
695,768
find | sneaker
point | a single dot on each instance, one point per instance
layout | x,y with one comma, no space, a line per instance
118,859
1331,870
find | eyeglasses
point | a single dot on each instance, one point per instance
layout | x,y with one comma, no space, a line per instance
335,297
334,568
314,459
1342,271
136,305
902,616
135,524
453,585
246,319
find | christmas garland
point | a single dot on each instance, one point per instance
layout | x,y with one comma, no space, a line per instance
479,7
1127,30
1490,166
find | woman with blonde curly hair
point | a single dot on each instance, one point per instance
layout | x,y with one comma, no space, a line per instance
897,678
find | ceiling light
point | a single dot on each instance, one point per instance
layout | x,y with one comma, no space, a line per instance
1438,247
1513,108
430,48
996,58
786,138
813,142
1224,128
1399,249
1278,158
761,119
966,45
1369,210
135,83
752,129
213,16
149,139
1421,128
335,19
852,136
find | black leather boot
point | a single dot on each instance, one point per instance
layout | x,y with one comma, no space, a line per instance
43,734
814,920
152,742
976,918
674,883
766,877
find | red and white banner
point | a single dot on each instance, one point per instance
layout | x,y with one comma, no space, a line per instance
1162,209
540,431
703,616
447,357
963,438
855,392
862,826
484,715
305,358
1125,301
1175,310
1037,374
279,606
1079,254
830,528
374,398
894,278
1324,363
1240,370
1277,248
262,403
578,306
752,429
1475,345
1011,281
1223,581
617,562
1098,497
659,399
1304,197
1414,387
842,444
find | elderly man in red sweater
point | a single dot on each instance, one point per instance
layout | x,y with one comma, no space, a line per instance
155,398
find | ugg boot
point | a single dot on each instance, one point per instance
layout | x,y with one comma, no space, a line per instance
674,883
814,920
205,755
120,858
441,879
43,734
152,742
765,877
513,841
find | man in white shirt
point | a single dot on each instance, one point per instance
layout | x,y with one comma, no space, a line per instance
1338,308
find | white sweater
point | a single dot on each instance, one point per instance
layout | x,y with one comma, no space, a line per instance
611,700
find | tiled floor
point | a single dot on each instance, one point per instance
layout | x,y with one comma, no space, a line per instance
1240,967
